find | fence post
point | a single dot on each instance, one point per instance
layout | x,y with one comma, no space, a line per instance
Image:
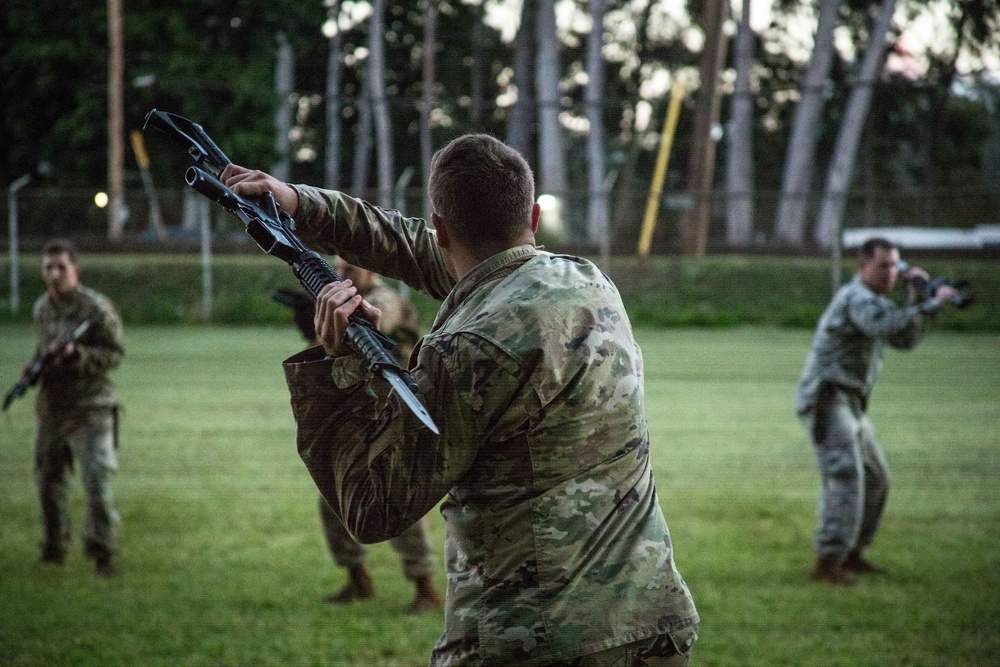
835,260
15,276
206,259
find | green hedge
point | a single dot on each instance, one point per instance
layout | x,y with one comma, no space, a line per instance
658,292
775,291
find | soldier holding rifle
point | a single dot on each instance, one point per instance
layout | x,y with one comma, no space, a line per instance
832,402
557,550
76,408
399,322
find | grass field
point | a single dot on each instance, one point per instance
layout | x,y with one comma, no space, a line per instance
223,561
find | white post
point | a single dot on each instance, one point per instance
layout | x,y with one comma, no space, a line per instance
15,276
836,258
206,260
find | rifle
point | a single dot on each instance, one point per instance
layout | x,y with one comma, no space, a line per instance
927,288
272,231
42,361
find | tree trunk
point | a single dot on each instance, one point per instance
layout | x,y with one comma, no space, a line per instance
597,211
739,162
701,166
476,71
427,99
552,163
380,106
334,68
838,178
626,210
362,140
520,120
797,178
284,83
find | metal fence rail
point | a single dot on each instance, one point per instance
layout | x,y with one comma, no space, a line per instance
47,212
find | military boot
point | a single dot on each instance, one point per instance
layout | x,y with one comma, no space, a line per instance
855,562
426,598
53,555
830,570
359,586
105,566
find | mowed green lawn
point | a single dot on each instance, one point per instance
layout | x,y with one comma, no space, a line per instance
223,560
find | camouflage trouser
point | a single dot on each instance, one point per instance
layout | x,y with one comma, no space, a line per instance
87,441
411,545
668,650
854,474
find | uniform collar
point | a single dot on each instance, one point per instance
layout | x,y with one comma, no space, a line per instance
67,301
499,265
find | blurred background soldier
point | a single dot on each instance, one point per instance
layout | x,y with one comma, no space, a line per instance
76,409
399,322
832,402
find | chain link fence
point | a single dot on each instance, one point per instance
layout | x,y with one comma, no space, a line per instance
44,213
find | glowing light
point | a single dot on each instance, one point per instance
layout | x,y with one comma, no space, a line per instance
548,202
101,199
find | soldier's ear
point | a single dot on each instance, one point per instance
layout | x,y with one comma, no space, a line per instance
443,237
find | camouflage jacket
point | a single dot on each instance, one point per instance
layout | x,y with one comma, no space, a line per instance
556,544
80,381
849,344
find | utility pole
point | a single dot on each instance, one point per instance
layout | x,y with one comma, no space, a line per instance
116,123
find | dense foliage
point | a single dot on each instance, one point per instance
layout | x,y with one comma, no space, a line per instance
214,61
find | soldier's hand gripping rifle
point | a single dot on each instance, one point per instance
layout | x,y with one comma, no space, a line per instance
41,361
962,298
272,231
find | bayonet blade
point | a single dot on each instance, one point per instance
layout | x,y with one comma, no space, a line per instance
412,402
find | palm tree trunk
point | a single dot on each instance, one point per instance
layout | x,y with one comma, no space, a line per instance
552,163
739,163
427,98
797,178
380,106
284,83
597,211
362,139
519,122
701,166
838,178
334,69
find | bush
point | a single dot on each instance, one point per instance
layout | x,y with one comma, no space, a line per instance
720,291
774,291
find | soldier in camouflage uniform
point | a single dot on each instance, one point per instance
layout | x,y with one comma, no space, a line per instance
76,409
557,550
399,322
832,401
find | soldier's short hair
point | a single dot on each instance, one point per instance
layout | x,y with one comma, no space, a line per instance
868,248
60,246
484,189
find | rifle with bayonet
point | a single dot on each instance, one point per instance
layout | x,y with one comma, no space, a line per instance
272,231
41,361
